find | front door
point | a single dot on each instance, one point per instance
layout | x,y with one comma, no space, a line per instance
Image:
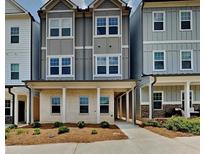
183,99
21,111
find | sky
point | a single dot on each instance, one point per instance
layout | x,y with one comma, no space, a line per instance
34,5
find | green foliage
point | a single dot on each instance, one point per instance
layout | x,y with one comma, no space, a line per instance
105,124
36,131
58,124
63,129
191,125
6,136
81,124
13,126
94,131
7,130
36,124
152,123
20,131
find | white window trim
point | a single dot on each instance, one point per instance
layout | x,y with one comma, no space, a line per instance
162,92
192,99
60,29
60,66
159,70
10,108
164,21
180,11
181,69
106,105
84,105
55,114
107,65
11,72
107,26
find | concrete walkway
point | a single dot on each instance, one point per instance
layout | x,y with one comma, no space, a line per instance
141,141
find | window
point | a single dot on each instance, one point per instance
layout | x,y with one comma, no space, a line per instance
183,98
14,34
55,103
159,21
60,66
159,60
60,27
186,60
7,107
104,104
84,104
14,71
107,25
185,20
107,65
157,100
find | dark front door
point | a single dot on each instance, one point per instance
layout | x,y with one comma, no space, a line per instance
21,112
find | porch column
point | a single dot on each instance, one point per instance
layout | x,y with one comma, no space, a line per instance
16,109
32,103
63,104
98,105
150,101
133,106
27,108
127,106
120,107
187,99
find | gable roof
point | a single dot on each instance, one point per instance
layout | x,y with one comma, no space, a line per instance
95,1
69,1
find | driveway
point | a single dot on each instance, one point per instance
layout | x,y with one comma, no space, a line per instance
141,141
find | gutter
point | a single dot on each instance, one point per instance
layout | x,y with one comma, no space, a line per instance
13,102
152,96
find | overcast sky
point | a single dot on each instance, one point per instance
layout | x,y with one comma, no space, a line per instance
34,5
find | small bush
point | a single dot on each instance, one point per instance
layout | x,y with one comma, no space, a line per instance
36,131
81,124
105,124
7,130
63,129
36,124
94,131
13,126
20,131
58,124
6,136
152,123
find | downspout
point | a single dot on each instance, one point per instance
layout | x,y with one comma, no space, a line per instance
29,103
152,96
13,102
84,63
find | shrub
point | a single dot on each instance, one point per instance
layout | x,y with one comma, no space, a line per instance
152,123
20,131
7,130
6,136
105,124
58,124
81,124
36,131
13,126
63,129
36,124
94,131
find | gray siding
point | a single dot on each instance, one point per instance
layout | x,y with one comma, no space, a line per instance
61,6
43,32
125,64
125,30
43,64
107,4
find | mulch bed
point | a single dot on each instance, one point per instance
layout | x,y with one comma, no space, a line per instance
50,135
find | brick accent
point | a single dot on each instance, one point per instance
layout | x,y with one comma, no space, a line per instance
8,119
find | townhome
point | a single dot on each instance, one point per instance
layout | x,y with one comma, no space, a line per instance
165,51
84,62
21,61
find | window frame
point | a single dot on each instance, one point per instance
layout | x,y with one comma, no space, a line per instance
51,105
15,35
164,21
60,28
106,104
15,72
83,104
158,70
180,11
107,26
107,65
162,92
60,66
8,108
181,60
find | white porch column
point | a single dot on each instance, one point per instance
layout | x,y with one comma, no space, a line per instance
187,100
127,106
63,104
133,106
150,101
16,109
98,105
32,102
27,108
120,107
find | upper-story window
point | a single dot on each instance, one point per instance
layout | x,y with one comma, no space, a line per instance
60,66
107,65
60,27
185,20
14,71
158,20
14,34
186,59
159,60
107,25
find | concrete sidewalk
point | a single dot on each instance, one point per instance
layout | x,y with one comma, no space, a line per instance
141,141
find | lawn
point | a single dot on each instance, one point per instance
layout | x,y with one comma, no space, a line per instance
49,134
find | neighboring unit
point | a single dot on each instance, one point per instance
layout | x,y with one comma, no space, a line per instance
22,61
165,51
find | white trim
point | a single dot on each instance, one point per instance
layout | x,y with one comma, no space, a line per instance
171,41
43,48
125,46
99,36
180,11
187,50
121,59
153,61
107,9
73,34
192,97
162,92
46,44
164,21
59,37
81,47
56,11
10,108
